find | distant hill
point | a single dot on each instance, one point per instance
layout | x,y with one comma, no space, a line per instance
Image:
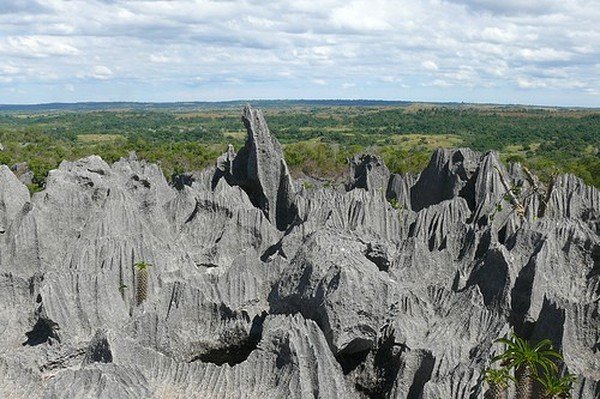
103,106
99,106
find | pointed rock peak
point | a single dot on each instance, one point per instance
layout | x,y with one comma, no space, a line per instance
254,120
398,189
489,186
260,170
258,131
369,172
449,174
23,173
569,196
13,196
225,161
224,167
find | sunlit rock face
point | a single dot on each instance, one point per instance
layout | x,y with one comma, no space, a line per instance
256,290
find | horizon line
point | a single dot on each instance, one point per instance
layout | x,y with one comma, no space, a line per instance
356,100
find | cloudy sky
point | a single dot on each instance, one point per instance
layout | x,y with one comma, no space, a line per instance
502,51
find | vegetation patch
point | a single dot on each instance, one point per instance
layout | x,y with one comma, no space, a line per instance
98,138
317,139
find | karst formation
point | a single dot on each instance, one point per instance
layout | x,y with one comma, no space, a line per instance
392,286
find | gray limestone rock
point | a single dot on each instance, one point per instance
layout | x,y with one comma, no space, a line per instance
450,173
260,170
398,189
257,290
368,172
23,173
13,197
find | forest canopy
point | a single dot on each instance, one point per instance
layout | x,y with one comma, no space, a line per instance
317,137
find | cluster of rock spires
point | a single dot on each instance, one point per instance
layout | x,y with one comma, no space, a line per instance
261,288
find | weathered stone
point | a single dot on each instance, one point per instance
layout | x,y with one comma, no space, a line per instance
23,173
256,290
260,170
368,172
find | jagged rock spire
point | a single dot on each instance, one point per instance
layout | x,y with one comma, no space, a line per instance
369,172
260,170
13,196
449,172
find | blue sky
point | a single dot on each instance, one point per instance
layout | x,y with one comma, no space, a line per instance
512,51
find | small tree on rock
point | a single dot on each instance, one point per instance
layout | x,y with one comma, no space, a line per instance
141,286
498,381
528,362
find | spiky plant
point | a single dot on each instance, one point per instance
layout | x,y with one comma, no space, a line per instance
527,361
555,386
497,380
141,286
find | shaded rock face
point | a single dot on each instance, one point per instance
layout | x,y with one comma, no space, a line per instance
448,175
260,170
368,172
254,290
23,173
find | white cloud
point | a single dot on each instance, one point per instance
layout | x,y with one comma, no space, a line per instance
8,69
439,83
512,7
36,46
243,48
553,81
163,59
527,83
500,35
544,54
22,6
429,65
362,16
101,72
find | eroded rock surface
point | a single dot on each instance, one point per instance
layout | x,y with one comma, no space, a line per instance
255,290
260,170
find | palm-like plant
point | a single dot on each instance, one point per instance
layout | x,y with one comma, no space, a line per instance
527,361
141,287
498,380
556,387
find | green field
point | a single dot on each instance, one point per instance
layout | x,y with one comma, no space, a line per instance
317,137
98,138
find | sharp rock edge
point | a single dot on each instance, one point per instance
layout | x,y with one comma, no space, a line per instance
255,290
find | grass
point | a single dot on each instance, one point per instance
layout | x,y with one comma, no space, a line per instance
239,135
98,138
431,142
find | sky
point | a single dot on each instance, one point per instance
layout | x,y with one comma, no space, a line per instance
543,52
